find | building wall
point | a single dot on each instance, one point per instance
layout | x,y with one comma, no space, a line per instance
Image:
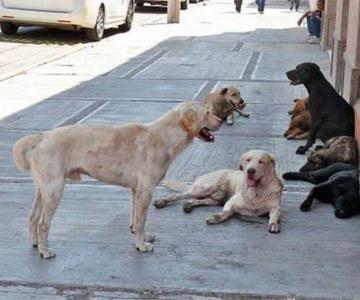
345,64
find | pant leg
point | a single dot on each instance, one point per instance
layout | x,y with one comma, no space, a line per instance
314,26
238,4
261,5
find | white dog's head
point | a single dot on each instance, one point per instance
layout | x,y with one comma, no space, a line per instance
198,121
257,166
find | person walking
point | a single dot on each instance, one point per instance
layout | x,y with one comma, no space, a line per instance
294,3
238,4
261,6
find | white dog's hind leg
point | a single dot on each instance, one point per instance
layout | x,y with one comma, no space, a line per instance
142,202
51,193
274,220
34,217
189,205
162,202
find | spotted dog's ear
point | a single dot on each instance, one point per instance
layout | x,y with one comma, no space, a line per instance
241,168
223,91
188,122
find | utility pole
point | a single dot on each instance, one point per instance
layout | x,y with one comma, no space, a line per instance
173,11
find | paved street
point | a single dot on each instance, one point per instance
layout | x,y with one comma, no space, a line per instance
136,77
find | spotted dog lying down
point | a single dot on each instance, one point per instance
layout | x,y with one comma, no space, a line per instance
254,190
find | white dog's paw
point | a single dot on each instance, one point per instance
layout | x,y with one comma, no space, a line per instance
246,115
213,219
274,228
145,247
230,121
160,203
47,253
149,238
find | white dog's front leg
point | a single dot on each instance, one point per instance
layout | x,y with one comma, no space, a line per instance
274,220
142,202
131,218
230,119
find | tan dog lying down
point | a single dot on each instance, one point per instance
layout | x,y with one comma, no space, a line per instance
299,125
136,156
223,103
254,190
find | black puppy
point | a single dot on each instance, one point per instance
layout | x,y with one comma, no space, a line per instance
337,184
330,114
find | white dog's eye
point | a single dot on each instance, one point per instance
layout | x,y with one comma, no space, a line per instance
248,159
261,162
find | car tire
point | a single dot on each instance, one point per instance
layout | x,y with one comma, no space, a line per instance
140,4
97,33
194,1
129,17
8,28
184,4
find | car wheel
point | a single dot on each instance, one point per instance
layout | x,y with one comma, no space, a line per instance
129,17
97,32
184,4
140,4
194,1
8,28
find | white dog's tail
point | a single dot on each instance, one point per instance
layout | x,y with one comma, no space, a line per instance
22,150
173,185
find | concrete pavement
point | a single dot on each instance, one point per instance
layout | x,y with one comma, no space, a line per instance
138,76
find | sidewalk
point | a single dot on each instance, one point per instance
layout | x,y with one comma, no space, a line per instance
157,66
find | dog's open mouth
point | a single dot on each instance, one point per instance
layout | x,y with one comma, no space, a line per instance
206,135
252,182
294,82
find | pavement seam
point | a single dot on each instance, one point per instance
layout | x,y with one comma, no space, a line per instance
207,88
78,116
251,66
139,68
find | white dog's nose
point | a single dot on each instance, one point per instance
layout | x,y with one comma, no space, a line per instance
251,171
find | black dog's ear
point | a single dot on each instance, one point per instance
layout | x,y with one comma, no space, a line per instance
223,91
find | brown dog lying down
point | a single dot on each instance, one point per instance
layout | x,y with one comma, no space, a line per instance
135,155
300,120
223,103
340,149
254,190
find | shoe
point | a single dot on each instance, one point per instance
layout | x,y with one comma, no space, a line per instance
291,8
238,9
313,40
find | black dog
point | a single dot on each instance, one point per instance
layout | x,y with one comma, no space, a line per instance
331,115
337,184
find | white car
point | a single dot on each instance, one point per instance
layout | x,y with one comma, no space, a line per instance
93,16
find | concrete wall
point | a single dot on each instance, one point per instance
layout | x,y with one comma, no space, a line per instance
328,24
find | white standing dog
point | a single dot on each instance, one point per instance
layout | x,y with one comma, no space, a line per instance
136,156
254,190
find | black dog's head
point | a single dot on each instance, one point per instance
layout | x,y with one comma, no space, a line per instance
347,205
303,73
315,161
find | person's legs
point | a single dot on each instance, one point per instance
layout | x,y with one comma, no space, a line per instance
238,4
261,5
314,26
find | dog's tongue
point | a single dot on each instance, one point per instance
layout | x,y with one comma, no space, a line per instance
252,182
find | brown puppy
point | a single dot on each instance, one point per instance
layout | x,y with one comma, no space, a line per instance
338,149
300,120
223,103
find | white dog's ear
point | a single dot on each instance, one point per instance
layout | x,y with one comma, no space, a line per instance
272,159
188,122
223,91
